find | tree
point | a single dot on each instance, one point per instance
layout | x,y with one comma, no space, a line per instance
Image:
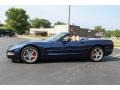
60,23
117,33
99,29
3,26
108,33
17,20
38,23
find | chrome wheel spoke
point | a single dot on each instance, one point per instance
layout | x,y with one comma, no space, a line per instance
97,54
30,55
96,57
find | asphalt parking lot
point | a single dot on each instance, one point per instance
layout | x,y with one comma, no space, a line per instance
75,72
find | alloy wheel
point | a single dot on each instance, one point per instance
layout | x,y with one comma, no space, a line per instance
97,54
29,54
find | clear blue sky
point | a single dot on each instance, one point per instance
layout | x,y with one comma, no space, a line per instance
85,16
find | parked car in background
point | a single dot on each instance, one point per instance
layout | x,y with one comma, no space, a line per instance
60,46
7,33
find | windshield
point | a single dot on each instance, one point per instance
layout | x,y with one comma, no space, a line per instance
56,37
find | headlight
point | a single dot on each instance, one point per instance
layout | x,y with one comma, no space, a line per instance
10,53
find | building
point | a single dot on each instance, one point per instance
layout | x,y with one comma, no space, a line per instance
74,30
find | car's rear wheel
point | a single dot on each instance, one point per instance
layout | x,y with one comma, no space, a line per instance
30,55
96,54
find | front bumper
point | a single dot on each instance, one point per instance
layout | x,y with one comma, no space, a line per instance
10,54
13,54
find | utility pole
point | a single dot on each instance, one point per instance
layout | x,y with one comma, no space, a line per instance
69,19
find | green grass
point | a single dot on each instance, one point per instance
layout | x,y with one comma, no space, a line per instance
116,43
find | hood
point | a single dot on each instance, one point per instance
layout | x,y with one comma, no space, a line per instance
30,41
23,43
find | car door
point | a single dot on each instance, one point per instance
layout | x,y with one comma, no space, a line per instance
75,49
55,49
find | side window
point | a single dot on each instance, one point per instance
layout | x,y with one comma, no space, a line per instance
67,38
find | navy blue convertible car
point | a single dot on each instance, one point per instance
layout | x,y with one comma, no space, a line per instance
60,46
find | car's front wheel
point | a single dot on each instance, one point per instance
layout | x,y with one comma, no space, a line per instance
96,54
30,55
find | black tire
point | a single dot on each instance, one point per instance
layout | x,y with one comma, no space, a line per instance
28,61
12,35
100,58
1,35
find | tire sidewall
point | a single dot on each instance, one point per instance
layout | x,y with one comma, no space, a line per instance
27,47
90,56
1,35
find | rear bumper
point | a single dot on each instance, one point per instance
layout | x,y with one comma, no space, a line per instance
109,49
108,52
